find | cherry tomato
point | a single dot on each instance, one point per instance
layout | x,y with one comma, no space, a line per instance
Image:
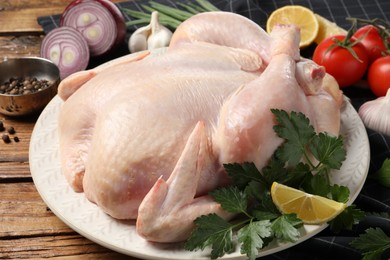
339,61
372,41
379,76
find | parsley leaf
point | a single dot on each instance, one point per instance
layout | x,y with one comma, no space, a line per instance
285,227
211,230
276,170
373,255
231,199
268,205
328,150
251,236
316,184
296,130
346,219
265,209
379,214
372,244
339,193
254,191
244,173
383,174
296,174
265,215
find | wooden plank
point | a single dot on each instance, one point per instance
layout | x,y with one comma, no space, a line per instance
14,5
21,16
20,46
14,171
16,151
23,213
60,247
14,161
30,230
25,20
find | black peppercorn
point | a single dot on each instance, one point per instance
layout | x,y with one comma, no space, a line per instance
6,138
11,130
23,86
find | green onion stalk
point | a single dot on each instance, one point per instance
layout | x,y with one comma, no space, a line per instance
168,16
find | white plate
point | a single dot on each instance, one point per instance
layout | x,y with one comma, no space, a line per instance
88,220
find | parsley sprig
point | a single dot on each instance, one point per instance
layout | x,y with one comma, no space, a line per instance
383,174
303,161
373,243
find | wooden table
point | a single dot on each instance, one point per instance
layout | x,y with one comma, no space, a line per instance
28,229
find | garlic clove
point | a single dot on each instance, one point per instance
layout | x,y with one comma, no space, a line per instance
159,39
155,25
375,114
138,42
139,39
160,36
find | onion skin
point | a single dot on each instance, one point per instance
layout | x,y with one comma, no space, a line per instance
111,36
67,48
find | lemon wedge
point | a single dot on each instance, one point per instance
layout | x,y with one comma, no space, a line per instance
327,29
311,209
298,15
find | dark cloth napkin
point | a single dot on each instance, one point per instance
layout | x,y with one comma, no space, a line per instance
373,197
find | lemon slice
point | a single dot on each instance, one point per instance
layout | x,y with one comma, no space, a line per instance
298,15
311,209
327,29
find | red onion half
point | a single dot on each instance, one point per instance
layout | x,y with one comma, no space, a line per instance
119,20
100,21
67,48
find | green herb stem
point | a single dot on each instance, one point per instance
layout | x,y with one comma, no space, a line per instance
164,18
207,5
136,22
189,8
169,16
136,14
239,224
171,11
310,162
144,18
197,7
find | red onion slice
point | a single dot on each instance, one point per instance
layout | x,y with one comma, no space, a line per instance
67,48
100,22
119,20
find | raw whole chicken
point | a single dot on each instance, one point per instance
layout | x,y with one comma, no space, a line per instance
145,136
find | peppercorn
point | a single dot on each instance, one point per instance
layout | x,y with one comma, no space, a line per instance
16,139
6,138
23,86
1,126
11,130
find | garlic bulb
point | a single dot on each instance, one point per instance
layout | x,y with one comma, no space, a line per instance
149,37
375,114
